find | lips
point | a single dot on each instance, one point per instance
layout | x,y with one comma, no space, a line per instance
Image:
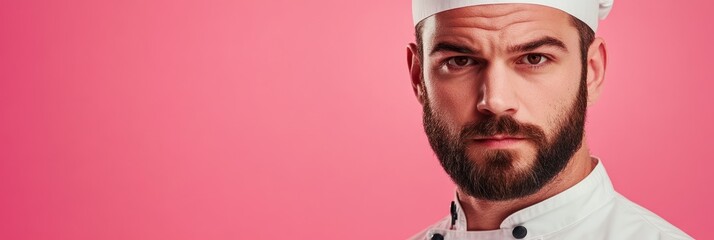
498,138
498,141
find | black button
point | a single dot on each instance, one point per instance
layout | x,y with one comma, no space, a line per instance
520,232
437,236
454,215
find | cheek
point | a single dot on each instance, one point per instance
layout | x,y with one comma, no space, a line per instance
550,97
453,99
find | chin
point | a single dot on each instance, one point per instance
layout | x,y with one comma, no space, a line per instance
515,158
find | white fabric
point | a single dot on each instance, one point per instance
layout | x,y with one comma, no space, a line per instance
589,210
588,11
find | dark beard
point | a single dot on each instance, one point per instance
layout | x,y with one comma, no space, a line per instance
495,178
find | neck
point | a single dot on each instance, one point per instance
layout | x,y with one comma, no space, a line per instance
490,214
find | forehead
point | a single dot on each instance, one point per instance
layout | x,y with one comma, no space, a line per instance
505,23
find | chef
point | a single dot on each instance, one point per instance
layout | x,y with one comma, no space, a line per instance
504,87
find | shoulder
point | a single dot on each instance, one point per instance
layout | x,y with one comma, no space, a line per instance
639,220
441,224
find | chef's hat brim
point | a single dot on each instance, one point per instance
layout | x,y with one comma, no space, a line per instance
588,11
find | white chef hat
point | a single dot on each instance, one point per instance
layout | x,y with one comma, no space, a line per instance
588,11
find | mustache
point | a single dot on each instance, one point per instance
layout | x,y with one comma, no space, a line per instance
502,125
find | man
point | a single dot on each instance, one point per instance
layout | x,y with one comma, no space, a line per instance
504,87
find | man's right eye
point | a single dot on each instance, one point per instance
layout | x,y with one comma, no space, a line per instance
459,62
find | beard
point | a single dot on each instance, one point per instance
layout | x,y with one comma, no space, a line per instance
495,177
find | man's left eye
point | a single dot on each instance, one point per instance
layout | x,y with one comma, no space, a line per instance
533,59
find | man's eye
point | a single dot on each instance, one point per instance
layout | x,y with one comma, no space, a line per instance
460,61
533,59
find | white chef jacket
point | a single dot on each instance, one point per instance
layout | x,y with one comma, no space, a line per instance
591,209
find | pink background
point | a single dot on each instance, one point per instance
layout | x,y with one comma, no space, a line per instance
295,119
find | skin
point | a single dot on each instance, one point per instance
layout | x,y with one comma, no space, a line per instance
536,86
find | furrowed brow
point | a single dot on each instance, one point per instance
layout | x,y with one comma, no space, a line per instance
450,47
533,45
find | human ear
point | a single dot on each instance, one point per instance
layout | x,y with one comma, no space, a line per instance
597,62
414,65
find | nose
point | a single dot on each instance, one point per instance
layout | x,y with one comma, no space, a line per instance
497,95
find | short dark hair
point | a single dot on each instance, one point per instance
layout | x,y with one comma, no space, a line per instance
587,35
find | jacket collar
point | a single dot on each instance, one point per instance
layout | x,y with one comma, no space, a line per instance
554,213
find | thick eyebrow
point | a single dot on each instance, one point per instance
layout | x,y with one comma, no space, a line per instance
533,45
451,47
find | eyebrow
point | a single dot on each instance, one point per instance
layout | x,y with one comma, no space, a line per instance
533,45
525,47
452,47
